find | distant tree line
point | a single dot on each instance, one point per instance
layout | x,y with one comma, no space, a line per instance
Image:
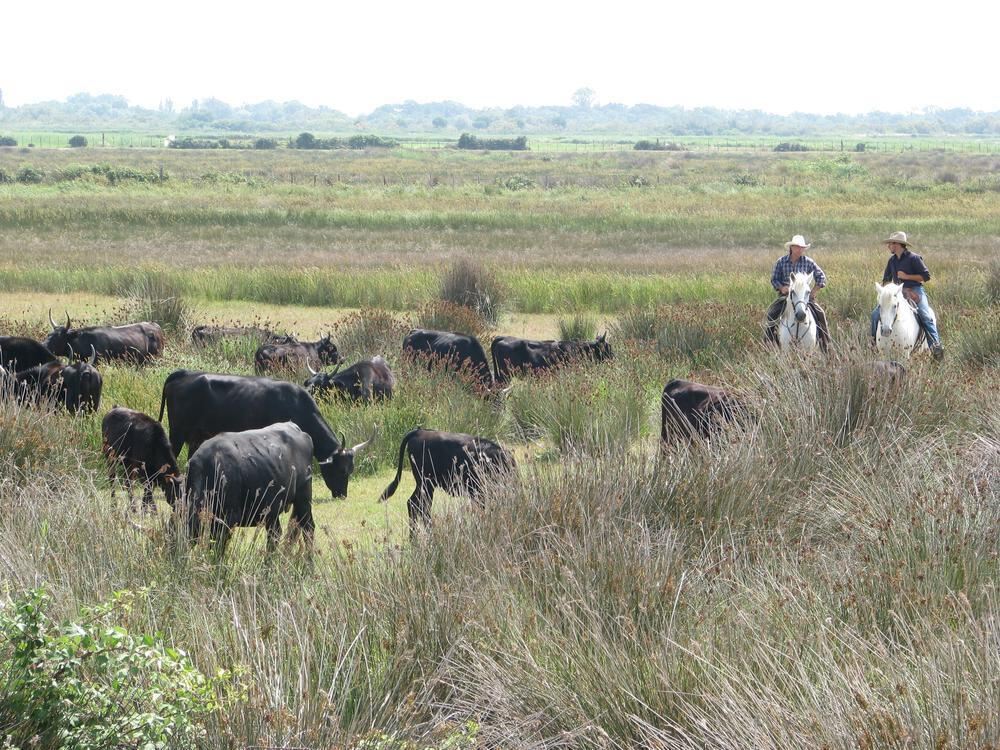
213,116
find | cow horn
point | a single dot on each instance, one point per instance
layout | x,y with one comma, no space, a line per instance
52,322
93,356
70,348
67,319
309,367
362,446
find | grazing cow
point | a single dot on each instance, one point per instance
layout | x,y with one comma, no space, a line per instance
292,355
689,409
457,463
250,478
76,386
200,405
138,342
512,355
457,350
366,380
207,335
22,353
137,443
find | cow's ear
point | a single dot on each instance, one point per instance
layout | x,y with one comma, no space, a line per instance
602,338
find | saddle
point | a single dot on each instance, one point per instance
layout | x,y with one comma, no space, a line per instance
912,297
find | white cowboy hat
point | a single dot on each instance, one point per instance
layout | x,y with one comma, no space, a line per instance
799,241
899,237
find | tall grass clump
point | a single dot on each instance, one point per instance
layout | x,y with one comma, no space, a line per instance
156,298
447,316
371,332
471,284
580,327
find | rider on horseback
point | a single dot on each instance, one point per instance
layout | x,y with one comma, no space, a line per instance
796,261
907,268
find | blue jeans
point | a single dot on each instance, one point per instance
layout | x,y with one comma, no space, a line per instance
924,314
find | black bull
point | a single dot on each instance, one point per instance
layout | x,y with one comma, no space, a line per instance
138,342
366,380
248,479
458,350
689,409
457,463
200,405
293,354
22,353
76,386
512,355
136,443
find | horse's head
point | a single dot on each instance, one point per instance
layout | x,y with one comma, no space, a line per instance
890,297
799,289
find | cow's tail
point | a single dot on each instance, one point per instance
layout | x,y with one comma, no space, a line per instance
391,489
670,412
163,398
498,377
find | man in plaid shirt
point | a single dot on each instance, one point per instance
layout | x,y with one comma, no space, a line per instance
796,261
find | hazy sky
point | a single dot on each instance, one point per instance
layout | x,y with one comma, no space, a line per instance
774,55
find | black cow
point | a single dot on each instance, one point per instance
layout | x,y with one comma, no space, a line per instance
457,463
366,380
250,478
688,409
292,355
200,405
75,386
22,353
137,444
512,355
207,335
138,342
458,350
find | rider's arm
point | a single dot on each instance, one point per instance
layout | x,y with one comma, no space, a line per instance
778,278
819,276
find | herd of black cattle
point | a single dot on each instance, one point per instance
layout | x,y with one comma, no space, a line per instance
252,440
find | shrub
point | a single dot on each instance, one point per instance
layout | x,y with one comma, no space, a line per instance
790,146
515,182
470,284
265,143
6,140
469,141
448,316
29,176
154,297
77,141
657,146
578,328
369,332
5,179
92,684
638,181
370,141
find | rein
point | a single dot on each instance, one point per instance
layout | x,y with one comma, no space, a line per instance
796,337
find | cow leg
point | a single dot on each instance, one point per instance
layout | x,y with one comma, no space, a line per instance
147,497
302,518
273,533
220,534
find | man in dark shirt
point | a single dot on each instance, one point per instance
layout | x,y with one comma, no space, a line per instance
907,268
796,261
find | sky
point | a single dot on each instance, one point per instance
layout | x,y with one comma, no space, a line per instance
774,55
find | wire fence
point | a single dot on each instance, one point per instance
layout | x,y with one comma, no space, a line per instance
555,144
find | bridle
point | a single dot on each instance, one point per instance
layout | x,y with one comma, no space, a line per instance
797,336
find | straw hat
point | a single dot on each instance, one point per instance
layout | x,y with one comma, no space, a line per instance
899,237
799,241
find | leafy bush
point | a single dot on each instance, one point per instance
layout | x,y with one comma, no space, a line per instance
747,180
29,176
370,141
515,182
6,140
470,284
265,143
91,684
196,143
637,181
5,179
449,316
469,141
77,141
791,146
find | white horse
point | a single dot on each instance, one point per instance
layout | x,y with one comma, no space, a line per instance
797,326
898,327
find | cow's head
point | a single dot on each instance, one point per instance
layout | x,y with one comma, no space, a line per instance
82,384
169,479
600,349
61,339
326,350
318,383
337,469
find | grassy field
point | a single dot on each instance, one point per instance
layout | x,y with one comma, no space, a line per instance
824,575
